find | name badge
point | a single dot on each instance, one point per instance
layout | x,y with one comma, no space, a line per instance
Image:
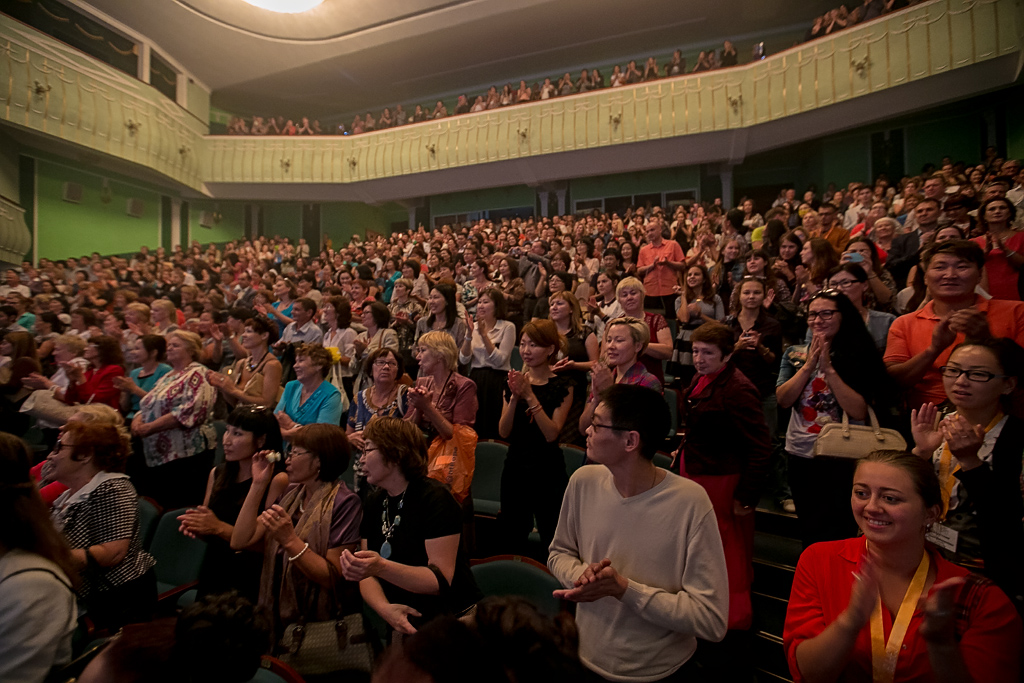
943,536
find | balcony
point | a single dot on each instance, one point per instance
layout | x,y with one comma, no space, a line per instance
920,57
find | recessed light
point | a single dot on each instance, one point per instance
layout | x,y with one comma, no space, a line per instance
286,6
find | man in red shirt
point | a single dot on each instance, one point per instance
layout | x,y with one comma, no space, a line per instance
921,342
659,263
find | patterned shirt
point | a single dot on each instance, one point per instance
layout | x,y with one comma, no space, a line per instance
190,398
104,510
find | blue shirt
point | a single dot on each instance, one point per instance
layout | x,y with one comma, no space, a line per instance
323,406
145,383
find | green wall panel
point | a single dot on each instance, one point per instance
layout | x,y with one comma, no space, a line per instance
342,220
283,219
67,229
645,182
957,137
231,225
483,200
846,158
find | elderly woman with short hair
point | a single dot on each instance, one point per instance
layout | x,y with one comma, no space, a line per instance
442,397
175,424
310,398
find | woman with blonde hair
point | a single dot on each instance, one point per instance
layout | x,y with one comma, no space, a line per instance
442,398
630,293
175,424
625,339
164,317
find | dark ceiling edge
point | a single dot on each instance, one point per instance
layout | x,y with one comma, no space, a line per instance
723,147
322,39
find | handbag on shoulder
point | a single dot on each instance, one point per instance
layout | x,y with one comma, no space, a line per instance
843,440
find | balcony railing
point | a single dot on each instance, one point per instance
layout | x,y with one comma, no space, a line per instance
51,88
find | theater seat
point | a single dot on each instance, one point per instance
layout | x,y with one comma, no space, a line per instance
672,399
519,576
273,670
516,361
178,557
574,457
149,515
490,460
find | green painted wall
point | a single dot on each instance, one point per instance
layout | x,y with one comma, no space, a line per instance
283,219
483,200
342,220
644,182
67,229
231,225
959,137
846,158
9,184
198,102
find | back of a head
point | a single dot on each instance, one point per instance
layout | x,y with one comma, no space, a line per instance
639,409
221,638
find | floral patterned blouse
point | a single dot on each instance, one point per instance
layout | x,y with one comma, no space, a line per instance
190,398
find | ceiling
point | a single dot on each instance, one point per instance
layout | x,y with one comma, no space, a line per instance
349,55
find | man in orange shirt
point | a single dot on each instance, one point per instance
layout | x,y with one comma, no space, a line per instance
832,230
921,342
659,263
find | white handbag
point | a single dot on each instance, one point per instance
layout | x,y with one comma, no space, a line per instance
843,440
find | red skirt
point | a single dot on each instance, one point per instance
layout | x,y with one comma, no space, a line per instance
738,543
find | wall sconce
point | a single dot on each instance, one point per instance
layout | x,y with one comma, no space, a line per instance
432,148
735,103
524,136
615,120
133,127
286,165
352,163
41,89
862,66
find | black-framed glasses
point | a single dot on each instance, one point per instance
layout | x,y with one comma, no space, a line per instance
843,284
824,315
979,376
381,363
598,425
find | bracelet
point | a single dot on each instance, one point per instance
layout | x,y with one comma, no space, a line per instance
304,549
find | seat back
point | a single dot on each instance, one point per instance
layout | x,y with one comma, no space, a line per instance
662,460
219,426
273,670
672,399
178,557
490,460
149,515
516,361
574,457
519,576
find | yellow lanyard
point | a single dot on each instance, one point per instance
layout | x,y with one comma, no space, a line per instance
946,479
883,654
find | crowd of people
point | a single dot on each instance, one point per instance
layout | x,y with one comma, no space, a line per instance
889,311
557,86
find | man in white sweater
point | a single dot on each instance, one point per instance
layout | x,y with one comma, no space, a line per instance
638,548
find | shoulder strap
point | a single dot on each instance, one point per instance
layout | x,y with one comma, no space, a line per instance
40,569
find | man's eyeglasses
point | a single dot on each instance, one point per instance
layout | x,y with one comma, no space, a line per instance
598,425
980,376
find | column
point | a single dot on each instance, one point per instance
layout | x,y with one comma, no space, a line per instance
561,201
143,62
543,195
725,174
175,223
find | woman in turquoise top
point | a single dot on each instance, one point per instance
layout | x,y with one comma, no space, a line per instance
148,353
309,399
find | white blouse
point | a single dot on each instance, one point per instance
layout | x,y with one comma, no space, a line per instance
503,336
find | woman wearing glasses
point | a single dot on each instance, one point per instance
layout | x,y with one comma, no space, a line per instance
386,397
853,281
839,371
976,451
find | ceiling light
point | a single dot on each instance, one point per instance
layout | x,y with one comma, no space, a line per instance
286,6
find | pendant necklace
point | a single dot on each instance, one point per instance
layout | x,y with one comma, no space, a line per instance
388,527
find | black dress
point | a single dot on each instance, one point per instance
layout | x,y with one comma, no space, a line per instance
533,480
577,351
427,511
223,568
